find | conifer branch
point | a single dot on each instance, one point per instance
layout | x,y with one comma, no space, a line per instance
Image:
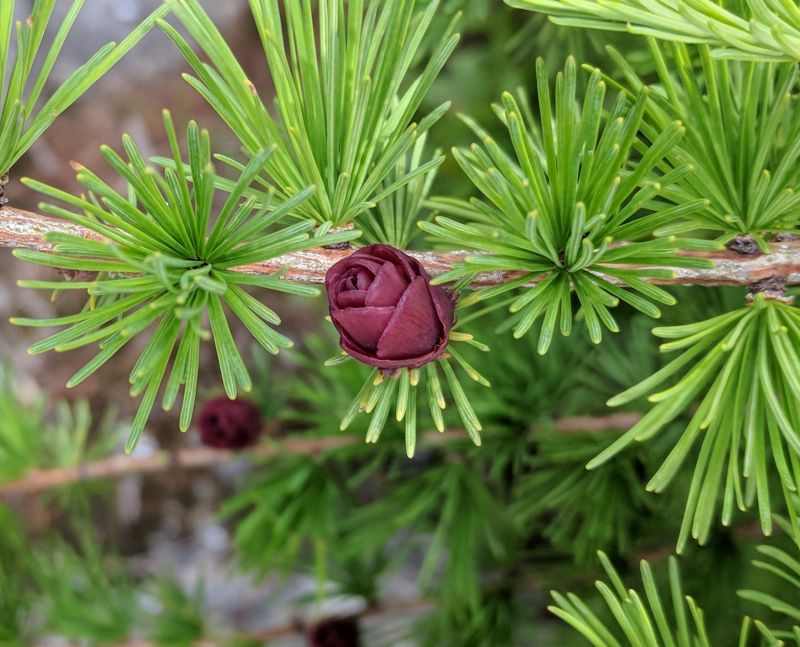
23,229
118,466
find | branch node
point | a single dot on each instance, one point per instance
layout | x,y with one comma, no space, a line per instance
340,246
773,287
744,245
76,275
4,179
786,237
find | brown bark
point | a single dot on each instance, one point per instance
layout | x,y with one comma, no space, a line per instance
24,229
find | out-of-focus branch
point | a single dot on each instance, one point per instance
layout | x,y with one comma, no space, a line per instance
24,229
195,458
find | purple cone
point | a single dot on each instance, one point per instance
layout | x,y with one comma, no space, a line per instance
229,424
386,311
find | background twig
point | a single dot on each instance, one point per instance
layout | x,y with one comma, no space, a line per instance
120,465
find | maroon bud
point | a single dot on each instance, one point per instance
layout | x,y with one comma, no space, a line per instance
386,311
335,632
229,424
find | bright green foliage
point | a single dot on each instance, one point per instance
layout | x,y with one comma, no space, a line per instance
343,103
392,221
30,438
20,433
15,598
629,358
756,29
23,120
579,512
329,506
164,260
742,138
323,403
452,502
473,10
89,594
643,619
743,365
181,621
313,400
301,506
786,568
528,390
80,590
308,494
494,622
358,575
383,394
552,213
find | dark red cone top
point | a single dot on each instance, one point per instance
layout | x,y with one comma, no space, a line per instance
386,311
229,424
335,632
